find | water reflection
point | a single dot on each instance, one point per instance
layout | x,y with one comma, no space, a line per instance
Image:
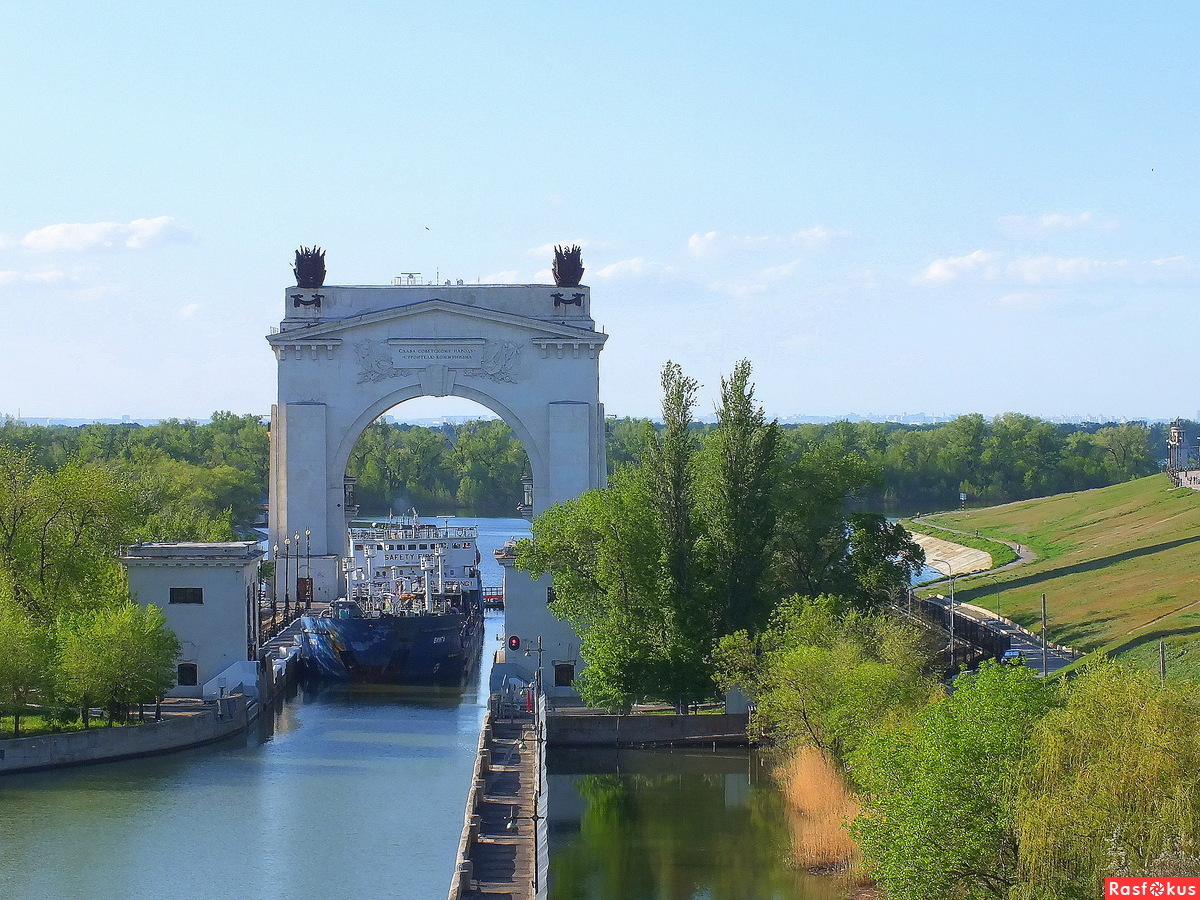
673,825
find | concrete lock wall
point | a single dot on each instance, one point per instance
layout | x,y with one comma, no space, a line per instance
727,729
225,718
529,353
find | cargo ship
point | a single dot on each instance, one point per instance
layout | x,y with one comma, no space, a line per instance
412,611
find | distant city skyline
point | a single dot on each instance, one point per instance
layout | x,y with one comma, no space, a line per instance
895,207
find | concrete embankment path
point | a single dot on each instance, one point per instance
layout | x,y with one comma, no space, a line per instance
962,560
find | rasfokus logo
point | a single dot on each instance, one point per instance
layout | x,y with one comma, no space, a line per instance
1152,886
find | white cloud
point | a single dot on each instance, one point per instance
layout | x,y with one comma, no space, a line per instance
983,265
712,244
758,283
1022,300
817,236
779,273
941,271
1034,226
1046,269
11,277
508,276
739,289
626,268
76,236
188,311
702,244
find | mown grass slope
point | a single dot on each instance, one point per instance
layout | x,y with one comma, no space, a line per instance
1120,567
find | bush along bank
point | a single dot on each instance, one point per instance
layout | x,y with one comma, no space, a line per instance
1009,786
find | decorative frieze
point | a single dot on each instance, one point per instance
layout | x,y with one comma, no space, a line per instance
562,346
297,349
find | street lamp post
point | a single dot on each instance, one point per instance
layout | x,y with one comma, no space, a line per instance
308,566
950,574
275,584
287,555
296,544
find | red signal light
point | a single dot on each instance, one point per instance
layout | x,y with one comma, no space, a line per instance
514,642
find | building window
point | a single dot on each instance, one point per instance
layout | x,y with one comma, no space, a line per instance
187,595
186,675
564,674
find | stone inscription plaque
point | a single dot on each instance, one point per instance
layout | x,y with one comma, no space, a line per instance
420,353
469,357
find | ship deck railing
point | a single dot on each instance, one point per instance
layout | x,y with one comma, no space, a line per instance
411,533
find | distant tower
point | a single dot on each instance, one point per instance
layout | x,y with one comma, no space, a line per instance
1177,449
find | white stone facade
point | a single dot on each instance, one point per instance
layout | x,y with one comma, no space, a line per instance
529,353
208,593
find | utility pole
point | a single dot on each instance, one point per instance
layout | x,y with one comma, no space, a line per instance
1044,636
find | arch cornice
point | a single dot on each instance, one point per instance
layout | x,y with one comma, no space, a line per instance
327,330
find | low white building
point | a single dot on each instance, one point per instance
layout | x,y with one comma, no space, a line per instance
209,594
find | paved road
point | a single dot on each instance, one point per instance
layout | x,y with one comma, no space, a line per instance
1029,644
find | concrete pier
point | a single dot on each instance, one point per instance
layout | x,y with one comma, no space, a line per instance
503,850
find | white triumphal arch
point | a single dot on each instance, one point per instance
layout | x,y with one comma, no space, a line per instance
529,353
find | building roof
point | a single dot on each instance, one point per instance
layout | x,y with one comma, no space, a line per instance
194,551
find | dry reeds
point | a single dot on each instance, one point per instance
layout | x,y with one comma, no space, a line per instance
821,805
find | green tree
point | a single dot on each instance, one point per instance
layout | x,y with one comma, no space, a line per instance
59,530
1110,783
625,439
820,547
939,791
1127,447
826,675
606,569
737,496
27,657
118,657
488,461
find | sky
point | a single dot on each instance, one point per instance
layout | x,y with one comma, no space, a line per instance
888,208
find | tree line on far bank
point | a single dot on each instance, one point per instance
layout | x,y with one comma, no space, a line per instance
475,468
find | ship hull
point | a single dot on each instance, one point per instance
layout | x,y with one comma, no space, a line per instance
413,649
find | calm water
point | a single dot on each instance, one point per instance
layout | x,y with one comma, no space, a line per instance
672,825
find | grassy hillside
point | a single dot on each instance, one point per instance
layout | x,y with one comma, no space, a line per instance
1120,567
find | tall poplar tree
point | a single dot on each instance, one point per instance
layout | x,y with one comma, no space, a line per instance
738,488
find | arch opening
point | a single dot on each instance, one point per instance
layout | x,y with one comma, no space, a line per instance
470,462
